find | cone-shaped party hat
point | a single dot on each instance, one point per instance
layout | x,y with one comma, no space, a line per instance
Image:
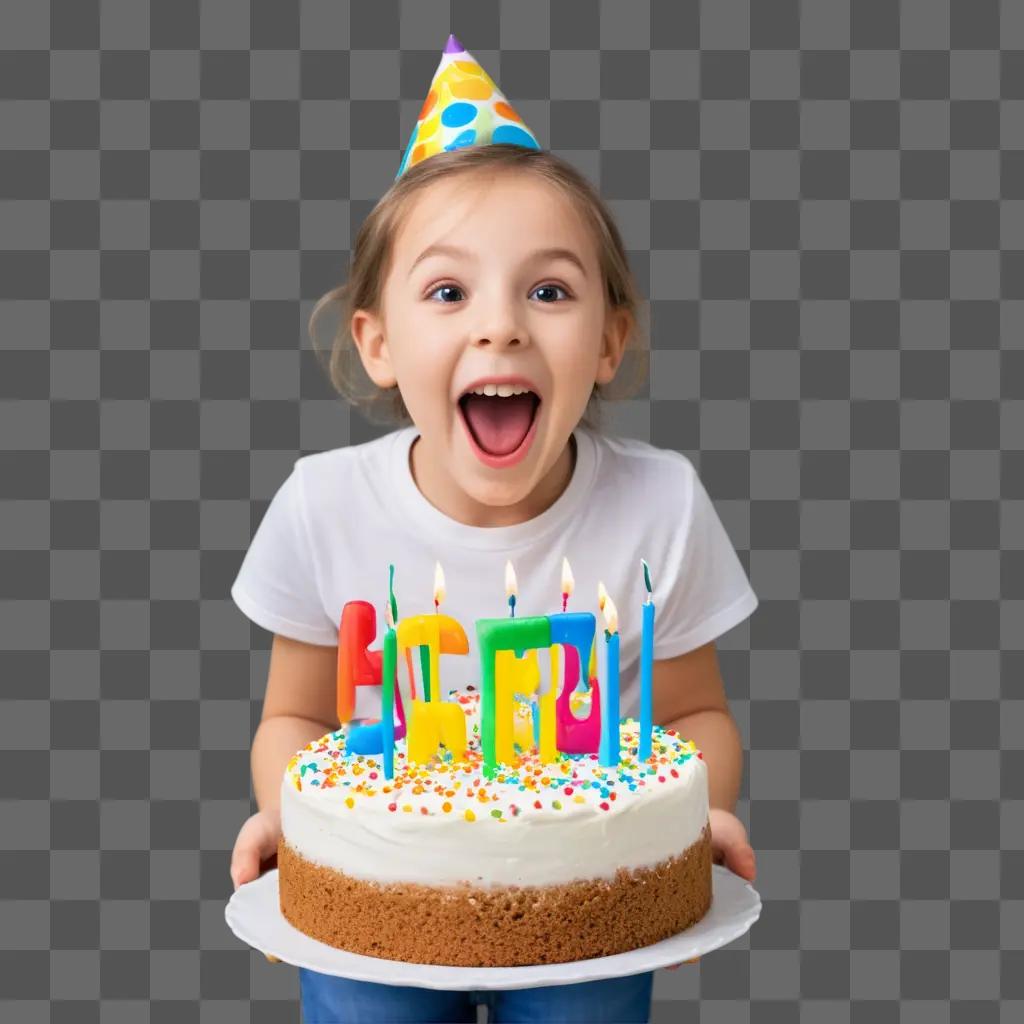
463,108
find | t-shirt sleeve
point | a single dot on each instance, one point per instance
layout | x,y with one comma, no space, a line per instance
277,585
706,589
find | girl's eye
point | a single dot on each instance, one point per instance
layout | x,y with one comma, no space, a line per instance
550,288
446,296
449,288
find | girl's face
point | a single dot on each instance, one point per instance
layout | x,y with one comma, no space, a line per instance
495,328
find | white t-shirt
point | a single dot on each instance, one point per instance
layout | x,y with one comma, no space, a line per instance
343,515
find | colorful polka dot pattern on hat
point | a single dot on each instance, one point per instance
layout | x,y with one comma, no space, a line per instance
463,108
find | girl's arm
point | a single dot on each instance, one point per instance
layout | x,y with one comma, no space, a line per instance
299,706
688,695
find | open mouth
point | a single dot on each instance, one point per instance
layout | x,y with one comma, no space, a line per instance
500,421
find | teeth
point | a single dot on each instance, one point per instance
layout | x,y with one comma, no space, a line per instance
499,390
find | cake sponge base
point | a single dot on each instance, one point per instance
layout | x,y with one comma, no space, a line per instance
470,926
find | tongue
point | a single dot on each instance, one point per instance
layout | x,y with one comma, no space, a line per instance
499,424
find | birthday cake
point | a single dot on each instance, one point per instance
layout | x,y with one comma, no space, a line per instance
545,862
497,826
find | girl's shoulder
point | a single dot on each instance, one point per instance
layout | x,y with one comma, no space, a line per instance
627,461
349,484
373,456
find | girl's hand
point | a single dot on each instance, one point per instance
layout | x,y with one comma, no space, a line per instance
729,846
256,847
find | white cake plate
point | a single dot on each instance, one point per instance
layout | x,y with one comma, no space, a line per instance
253,913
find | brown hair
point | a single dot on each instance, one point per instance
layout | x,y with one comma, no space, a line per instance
372,252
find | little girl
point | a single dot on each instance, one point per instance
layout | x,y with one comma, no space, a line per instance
489,302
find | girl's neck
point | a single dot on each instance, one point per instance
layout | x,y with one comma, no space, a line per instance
442,492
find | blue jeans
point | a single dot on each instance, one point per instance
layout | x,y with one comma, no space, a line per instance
330,1000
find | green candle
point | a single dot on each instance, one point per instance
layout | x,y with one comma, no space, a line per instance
388,668
425,671
387,704
391,595
495,635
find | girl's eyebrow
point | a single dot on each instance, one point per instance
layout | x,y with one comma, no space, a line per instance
443,249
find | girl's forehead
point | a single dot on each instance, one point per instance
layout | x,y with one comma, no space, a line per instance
456,209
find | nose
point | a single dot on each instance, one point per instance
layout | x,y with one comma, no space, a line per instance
497,341
500,328
500,333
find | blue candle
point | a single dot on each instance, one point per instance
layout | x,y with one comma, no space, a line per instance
646,668
608,753
575,628
575,631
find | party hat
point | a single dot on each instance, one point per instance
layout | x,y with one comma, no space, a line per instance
463,108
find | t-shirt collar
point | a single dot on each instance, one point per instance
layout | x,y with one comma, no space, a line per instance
416,512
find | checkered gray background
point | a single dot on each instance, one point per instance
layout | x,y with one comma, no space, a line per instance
824,202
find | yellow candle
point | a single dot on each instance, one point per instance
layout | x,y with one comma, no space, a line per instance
522,732
433,723
547,749
440,634
436,721
511,675
602,597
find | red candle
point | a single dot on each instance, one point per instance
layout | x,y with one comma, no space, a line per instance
356,665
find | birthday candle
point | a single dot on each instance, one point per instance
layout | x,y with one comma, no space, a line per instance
511,588
439,634
608,754
443,635
433,723
602,596
548,726
574,631
546,729
376,737
568,585
511,675
494,635
646,667
356,665
387,698
429,667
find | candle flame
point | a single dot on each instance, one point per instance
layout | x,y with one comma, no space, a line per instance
511,586
438,584
611,614
602,595
647,577
389,619
568,583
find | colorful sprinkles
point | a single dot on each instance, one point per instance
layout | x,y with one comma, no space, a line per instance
530,787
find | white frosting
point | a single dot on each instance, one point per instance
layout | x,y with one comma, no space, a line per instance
333,813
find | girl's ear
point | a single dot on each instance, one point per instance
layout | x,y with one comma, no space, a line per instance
368,334
613,344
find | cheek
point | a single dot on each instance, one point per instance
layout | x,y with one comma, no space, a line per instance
423,369
575,350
